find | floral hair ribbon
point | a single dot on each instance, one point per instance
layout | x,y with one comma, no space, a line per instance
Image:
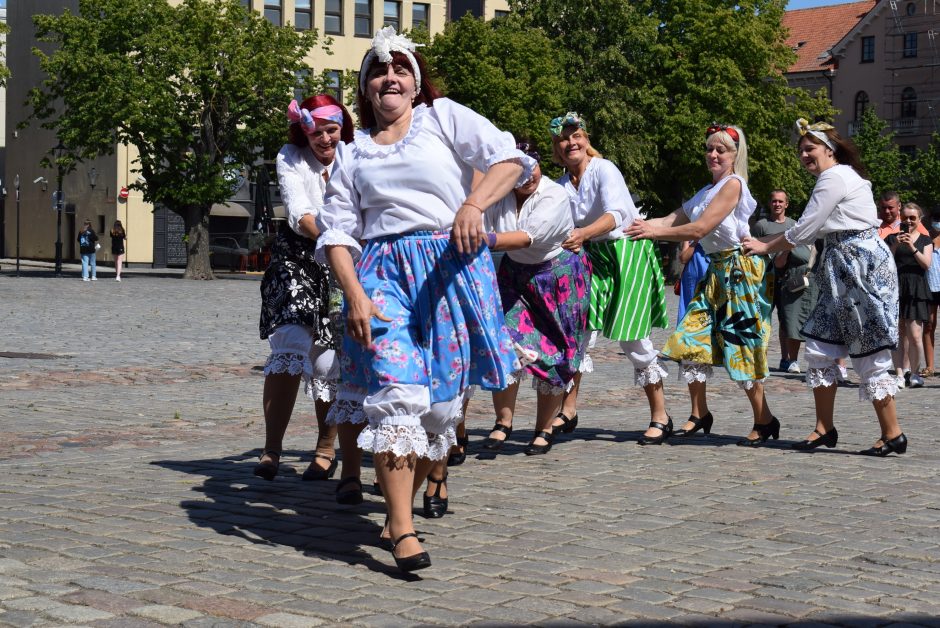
817,130
558,124
308,119
385,42
730,130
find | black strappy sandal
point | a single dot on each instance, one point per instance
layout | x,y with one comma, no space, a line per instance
410,563
315,472
350,496
268,470
495,444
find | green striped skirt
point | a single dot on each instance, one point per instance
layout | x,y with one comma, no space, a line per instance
627,298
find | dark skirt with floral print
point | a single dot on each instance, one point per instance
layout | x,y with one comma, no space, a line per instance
298,290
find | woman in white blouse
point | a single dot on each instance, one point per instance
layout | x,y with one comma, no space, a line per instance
296,289
728,321
627,297
423,318
545,294
856,313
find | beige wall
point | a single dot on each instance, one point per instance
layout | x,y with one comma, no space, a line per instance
885,78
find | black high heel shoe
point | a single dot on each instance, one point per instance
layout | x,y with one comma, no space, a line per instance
315,472
349,496
435,506
567,425
535,450
494,444
666,430
268,470
898,445
829,439
704,423
764,432
410,563
458,458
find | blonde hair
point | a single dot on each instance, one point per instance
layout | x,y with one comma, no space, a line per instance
556,151
740,148
915,207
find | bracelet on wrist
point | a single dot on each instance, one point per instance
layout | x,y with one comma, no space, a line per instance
490,239
469,204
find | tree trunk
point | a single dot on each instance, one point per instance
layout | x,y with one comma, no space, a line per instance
198,265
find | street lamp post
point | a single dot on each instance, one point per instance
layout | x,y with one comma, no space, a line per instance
58,153
16,185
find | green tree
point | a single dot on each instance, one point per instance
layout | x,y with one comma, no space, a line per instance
925,175
503,70
4,70
885,164
199,89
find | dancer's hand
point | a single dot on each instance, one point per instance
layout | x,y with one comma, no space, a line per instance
641,230
753,246
359,314
467,233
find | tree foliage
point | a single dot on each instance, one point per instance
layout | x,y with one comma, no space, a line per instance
880,155
4,70
199,89
504,71
924,171
651,75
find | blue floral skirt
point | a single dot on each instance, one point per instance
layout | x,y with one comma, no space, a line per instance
447,330
858,294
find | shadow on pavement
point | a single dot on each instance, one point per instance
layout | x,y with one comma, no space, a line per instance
284,512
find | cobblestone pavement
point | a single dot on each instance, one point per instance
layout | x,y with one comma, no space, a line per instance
130,423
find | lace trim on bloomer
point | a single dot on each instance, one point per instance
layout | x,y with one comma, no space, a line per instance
749,384
346,411
587,364
290,363
538,385
884,386
335,237
695,372
320,389
404,440
824,377
652,374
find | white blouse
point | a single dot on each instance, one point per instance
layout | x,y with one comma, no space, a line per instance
734,228
841,201
416,184
300,177
602,190
545,217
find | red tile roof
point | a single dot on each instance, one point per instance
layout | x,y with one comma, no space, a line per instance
813,32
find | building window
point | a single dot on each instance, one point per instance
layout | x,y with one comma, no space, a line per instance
908,103
868,49
498,14
363,18
911,8
246,4
861,104
303,15
910,45
908,151
333,22
272,11
392,15
301,78
420,15
334,85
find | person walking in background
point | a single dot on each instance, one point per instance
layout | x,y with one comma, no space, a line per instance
694,266
913,254
544,289
87,247
790,270
856,312
297,292
627,298
729,319
423,317
118,240
933,284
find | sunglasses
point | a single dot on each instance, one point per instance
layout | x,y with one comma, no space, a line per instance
529,149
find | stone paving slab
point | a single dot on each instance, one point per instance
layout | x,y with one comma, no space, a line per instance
127,497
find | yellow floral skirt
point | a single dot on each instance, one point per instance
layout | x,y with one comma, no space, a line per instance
728,320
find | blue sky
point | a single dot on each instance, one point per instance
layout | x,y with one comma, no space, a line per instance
806,4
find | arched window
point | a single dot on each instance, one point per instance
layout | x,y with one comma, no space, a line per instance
861,104
908,103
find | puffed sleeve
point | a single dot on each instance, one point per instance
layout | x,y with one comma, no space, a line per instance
340,220
614,194
476,141
290,177
829,191
549,222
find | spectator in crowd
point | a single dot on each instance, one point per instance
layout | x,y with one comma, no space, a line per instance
87,246
933,283
118,238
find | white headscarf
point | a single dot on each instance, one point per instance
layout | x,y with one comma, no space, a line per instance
383,44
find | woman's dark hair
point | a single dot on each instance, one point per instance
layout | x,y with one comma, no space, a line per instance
295,134
117,229
428,94
846,153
